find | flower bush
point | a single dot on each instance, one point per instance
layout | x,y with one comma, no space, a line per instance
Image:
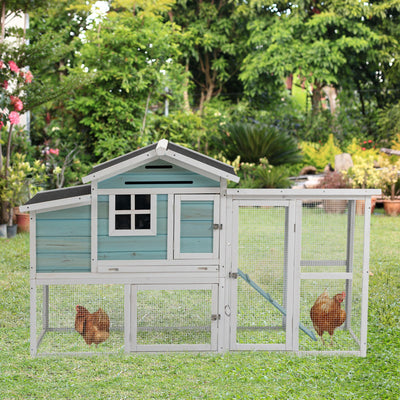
389,173
363,174
13,173
12,80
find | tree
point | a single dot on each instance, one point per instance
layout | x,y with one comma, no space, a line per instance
316,40
131,58
213,34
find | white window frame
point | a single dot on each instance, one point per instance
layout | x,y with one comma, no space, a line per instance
112,212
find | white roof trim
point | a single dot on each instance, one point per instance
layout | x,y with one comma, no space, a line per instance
161,152
190,163
121,167
56,204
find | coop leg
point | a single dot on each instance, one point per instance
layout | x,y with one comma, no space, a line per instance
285,266
33,344
45,311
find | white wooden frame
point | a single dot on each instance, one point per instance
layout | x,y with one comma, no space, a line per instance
112,212
290,259
131,345
205,273
177,227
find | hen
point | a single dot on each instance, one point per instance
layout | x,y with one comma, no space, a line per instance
326,313
94,327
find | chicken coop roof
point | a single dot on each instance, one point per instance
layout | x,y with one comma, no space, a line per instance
53,198
168,151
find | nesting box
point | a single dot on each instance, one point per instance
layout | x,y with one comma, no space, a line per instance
179,262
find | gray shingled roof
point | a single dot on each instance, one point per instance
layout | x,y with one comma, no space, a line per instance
58,194
123,158
173,147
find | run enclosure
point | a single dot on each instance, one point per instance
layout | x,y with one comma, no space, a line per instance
277,252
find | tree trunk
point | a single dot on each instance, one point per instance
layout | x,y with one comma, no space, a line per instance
317,95
3,20
186,104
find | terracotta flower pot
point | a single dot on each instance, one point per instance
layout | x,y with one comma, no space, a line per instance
23,222
392,207
360,206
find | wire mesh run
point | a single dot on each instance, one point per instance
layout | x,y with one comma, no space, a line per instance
262,263
57,324
332,243
174,317
329,307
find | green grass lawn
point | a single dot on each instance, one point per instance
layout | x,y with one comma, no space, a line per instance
240,375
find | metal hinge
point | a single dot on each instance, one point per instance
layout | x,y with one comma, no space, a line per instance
217,226
233,275
215,317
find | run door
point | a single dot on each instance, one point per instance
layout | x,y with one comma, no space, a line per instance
263,259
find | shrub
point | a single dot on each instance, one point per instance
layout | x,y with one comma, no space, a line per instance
320,155
255,141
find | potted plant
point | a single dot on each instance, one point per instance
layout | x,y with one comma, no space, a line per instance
390,186
364,175
334,180
16,189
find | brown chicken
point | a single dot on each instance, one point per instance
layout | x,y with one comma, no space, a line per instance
326,314
95,327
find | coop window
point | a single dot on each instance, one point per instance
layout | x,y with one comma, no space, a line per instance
132,214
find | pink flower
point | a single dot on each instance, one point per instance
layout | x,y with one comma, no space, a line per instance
54,151
14,117
2,65
363,149
1,124
17,103
369,141
5,85
28,77
13,67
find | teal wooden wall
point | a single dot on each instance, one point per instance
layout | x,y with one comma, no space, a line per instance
133,247
63,240
143,174
197,218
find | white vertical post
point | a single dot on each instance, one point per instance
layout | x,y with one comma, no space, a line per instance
223,279
33,336
234,282
127,318
296,274
365,277
215,325
32,240
170,227
94,224
350,260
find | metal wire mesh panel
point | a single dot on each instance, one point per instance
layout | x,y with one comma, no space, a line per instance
56,316
331,272
324,232
174,316
329,307
262,263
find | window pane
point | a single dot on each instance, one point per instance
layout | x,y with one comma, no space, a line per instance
142,221
142,202
123,221
123,202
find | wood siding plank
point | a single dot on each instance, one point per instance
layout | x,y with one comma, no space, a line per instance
156,175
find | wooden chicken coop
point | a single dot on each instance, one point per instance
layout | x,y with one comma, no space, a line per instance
179,262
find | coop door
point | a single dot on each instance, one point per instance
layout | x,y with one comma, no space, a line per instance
172,317
196,228
262,257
